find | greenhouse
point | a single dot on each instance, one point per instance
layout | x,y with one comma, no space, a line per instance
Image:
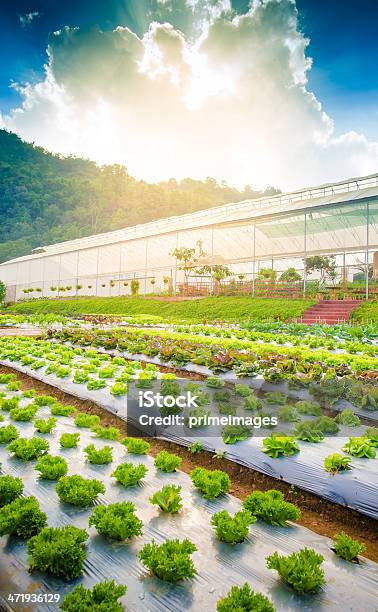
337,222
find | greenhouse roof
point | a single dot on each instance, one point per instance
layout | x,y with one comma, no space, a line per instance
348,191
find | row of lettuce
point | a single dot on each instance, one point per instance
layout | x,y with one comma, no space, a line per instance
61,551
301,420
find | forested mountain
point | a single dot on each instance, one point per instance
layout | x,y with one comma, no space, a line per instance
47,198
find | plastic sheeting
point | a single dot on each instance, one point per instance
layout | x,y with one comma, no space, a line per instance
356,488
219,566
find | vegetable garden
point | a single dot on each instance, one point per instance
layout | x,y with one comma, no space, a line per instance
137,532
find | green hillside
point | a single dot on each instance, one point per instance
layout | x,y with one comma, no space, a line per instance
45,198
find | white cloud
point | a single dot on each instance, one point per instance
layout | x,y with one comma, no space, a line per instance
26,19
228,98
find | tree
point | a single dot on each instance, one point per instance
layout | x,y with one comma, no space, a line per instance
2,292
290,276
217,272
187,258
267,274
324,264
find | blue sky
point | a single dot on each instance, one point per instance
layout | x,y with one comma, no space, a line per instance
344,48
205,74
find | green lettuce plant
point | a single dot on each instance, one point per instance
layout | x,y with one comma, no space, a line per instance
136,446
102,597
79,491
170,561
301,570
243,599
336,463
45,426
348,418
8,433
116,521
271,507
129,474
107,433
22,517
69,440
167,462
99,456
28,448
58,551
87,420
211,483
51,468
11,487
275,446
168,499
346,547
360,447
232,529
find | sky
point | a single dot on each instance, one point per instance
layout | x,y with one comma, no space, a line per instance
267,92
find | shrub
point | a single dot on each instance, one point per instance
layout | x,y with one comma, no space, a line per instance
45,425
51,468
336,463
301,570
23,414
348,418
107,433
168,499
69,440
62,410
11,487
167,462
87,420
346,547
103,596
78,491
100,456
128,474
8,433
360,447
136,446
211,483
232,529
271,507
240,599
58,551
275,446
28,448
116,521
170,561
22,517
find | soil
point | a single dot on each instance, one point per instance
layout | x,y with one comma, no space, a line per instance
319,515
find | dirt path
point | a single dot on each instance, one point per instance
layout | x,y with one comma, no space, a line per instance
319,515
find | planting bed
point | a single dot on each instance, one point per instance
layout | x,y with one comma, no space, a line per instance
305,469
219,565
